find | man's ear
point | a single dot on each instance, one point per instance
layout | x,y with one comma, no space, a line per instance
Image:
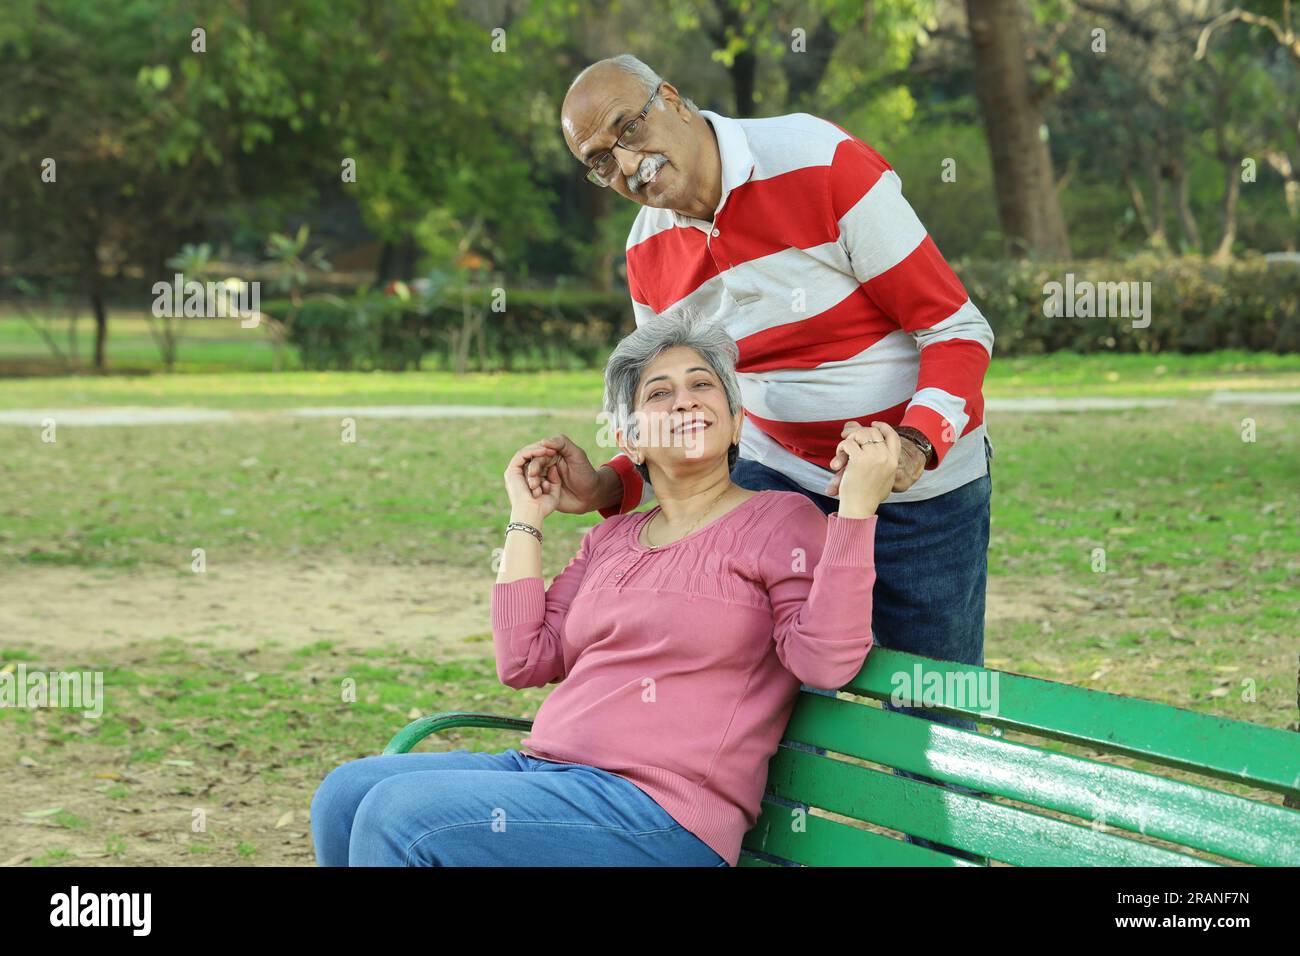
678,106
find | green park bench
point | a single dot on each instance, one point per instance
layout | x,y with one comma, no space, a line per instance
1067,811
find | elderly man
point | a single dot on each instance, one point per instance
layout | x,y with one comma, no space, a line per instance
796,235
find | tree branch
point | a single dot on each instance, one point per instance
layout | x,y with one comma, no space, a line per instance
1286,37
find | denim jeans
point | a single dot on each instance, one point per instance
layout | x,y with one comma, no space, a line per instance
931,571
461,808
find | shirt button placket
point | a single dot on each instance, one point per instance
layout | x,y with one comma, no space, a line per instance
626,569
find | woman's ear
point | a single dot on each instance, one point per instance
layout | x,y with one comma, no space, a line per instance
631,450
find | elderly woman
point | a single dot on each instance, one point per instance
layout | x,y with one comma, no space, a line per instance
678,638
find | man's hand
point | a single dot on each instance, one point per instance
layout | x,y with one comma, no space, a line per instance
911,462
582,488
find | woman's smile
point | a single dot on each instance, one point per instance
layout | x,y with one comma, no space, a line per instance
695,426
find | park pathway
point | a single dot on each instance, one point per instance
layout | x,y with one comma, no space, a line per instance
137,415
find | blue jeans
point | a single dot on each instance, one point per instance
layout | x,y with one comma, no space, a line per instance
931,574
461,808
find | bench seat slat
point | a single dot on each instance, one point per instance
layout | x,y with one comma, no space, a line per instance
1227,749
1181,813
828,843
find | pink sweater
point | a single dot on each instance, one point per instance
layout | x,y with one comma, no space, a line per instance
678,666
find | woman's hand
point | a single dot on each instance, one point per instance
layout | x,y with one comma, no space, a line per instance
525,505
872,456
582,490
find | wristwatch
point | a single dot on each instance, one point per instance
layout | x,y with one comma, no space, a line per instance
918,439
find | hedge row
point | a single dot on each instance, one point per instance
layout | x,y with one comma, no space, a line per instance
1194,305
1191,305
535,329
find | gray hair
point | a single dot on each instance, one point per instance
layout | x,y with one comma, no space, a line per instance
626,62
630,358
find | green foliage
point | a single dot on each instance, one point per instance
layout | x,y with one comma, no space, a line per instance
373,331
457,146
193,261
961,216
1196,305
295,263
364,332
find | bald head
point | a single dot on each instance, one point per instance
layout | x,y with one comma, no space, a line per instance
601,98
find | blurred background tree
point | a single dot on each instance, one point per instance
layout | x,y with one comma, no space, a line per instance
420,138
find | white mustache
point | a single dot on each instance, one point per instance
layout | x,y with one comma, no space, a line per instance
635,182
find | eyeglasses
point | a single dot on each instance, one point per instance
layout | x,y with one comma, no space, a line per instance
603,167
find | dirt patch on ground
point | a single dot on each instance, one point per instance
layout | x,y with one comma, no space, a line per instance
355,605
141,814
352,605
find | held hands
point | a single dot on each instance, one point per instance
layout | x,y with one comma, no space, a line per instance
525,505
558,462
867,463
911,462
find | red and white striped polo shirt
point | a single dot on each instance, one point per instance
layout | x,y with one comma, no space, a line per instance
839,300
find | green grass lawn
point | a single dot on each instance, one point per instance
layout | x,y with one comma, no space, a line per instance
1198,527
224,366
1196,605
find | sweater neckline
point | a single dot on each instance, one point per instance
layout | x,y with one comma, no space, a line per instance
636,526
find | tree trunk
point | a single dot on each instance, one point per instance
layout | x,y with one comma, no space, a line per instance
743,70
603,262
1231,192
744,65
1139,201
1186,218
1159,240
1283,166
1028,206
101,325
384,267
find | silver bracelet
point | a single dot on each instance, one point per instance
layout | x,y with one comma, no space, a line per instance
524,527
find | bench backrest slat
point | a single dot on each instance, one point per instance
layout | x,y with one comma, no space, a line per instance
1227,749
1115,797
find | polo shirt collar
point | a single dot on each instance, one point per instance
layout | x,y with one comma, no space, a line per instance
737,162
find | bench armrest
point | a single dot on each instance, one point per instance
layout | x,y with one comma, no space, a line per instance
418,729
